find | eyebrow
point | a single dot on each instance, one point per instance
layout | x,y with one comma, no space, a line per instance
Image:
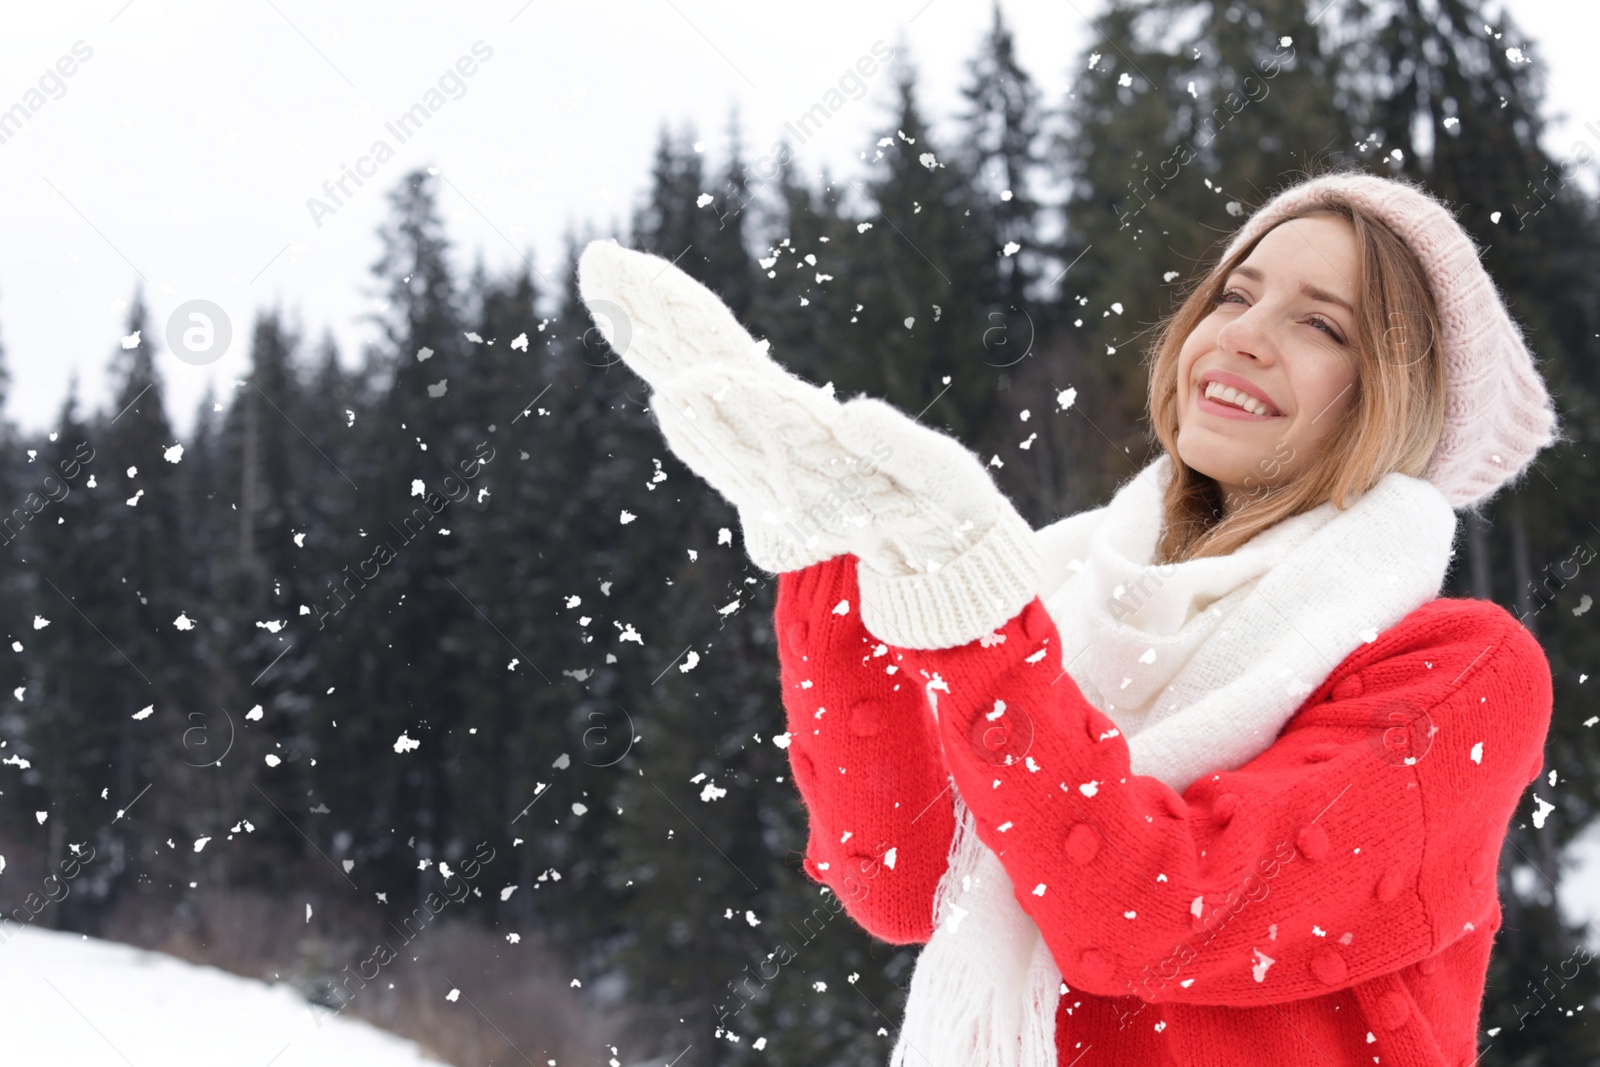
1308,289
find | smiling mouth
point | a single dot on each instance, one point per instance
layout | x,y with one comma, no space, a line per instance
1225,400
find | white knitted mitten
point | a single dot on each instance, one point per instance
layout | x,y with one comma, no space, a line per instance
945,558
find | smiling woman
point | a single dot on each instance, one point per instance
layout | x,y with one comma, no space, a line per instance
1326,323
1206,779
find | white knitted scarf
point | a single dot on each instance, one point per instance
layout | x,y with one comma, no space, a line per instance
1200,664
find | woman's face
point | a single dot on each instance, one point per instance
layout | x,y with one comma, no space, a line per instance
1282,333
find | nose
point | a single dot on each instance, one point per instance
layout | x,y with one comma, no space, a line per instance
1248,335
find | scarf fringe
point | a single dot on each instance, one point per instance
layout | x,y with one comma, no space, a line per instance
966,1006
985,990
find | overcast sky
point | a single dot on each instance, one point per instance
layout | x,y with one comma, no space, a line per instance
180,154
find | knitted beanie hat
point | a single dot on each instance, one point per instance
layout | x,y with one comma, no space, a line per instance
1498,413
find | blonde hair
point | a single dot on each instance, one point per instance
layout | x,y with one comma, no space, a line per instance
1392,424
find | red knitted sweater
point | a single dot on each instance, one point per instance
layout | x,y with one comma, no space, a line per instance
1331,902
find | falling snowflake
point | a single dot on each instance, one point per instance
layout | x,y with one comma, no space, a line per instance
183,622
173,454
423,354
1542,811
406,744
144,712
439,388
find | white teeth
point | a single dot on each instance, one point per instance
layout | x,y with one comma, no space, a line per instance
1228,394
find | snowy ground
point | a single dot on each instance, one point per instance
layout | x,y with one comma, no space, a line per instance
71,1000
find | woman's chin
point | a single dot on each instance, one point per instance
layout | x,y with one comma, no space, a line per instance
1205,460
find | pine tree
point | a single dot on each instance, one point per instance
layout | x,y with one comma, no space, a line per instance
1002,139
383,596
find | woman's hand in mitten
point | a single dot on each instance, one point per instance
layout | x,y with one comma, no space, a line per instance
946,558
759,435
952,559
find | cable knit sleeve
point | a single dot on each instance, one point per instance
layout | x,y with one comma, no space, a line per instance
865,757
1365,838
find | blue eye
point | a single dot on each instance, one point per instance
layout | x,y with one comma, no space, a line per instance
1327,328
1235,296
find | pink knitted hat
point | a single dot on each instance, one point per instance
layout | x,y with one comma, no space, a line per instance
1498,413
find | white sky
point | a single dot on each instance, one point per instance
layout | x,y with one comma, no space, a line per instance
185,149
